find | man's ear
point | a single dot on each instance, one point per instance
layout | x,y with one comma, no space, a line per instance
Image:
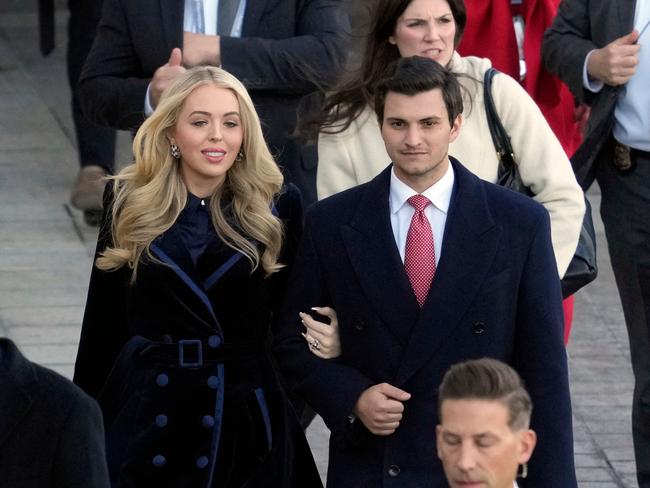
455,128
438,439
527,441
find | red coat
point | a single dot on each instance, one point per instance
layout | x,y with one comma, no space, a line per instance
490,34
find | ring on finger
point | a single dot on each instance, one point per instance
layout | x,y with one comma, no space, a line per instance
315,345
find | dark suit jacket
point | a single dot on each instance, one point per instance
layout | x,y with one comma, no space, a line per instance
495,293
579,27
51,433
281,40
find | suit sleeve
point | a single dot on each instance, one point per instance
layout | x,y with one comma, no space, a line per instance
104,328
112,86
329,386
296,65
566,45
542,363
80,460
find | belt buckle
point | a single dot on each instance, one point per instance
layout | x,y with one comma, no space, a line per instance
182,353
622,157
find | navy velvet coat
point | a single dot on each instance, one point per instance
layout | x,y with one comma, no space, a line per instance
496,293
181,366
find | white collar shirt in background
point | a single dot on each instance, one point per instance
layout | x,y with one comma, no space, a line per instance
210,19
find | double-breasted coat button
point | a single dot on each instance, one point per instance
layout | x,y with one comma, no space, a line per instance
393,471
479,327
161,420
162,379
214,341
159,461
202,462
207,421
359,325
213,382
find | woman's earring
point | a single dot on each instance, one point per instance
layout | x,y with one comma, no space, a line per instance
176,153
524,470
240,155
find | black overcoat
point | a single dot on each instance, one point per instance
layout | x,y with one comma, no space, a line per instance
51,432
180,365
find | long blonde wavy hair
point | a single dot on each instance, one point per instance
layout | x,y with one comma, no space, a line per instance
150,193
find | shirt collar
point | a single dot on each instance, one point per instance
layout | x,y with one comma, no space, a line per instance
439,193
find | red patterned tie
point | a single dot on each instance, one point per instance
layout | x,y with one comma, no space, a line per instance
420,255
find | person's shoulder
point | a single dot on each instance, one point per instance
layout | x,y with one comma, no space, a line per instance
514,208
338,206
60,394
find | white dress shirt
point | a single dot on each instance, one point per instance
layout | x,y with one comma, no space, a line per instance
401,212
210,18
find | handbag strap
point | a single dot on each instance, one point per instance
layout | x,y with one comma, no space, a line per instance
500,136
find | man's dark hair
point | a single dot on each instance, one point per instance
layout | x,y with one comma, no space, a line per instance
415,74
488,379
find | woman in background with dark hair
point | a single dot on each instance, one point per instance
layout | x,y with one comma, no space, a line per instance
349,143
510,35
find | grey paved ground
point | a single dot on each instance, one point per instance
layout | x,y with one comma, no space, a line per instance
45,258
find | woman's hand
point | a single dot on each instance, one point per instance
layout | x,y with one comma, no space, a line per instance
323,339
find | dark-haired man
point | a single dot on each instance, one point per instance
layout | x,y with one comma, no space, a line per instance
484,434
426,266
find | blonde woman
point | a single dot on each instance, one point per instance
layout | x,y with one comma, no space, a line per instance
191,263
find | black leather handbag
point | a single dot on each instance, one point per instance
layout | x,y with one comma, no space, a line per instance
583,268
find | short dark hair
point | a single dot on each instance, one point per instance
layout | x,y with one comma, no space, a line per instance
488,379
415,74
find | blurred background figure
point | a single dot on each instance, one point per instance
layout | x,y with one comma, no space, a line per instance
51,432
601,49
484,436
281,51
509,33
95,144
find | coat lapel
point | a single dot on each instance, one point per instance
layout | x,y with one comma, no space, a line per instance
469,247
370,243
171,250
626,16
252,16
171,11
16,374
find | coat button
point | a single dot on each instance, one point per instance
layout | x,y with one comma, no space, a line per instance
161,420
479,327
393,471
359,325
162,379
213,382
207,421
214,341
159,461
202,462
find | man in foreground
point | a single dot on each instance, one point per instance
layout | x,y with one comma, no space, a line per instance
426,266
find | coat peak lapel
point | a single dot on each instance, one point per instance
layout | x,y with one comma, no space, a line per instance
376,261
171,11
470,245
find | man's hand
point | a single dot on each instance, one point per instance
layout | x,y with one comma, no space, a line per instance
199,49
615,63
164,75
380,408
